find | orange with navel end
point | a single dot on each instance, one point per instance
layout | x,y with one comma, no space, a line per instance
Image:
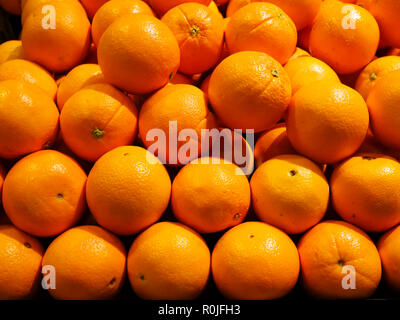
255,261
11,49
299,53
20,264
272,143
128,189
121,58
374,71
306,70
44,193
78,78
175,108
339,261
383,103
168,261
111,11
345,36
249,90
97,119
263,27
161,6
210,195
290,192
327,121
388,250
92,6
64,42
89,263
387,13
365,193
200,35
18,69
28,119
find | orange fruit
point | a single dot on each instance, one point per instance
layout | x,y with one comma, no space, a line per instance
91,57
128,189
263,27
28,6
232,146
111,11
255,261
205,84
365,193
28,119
303,38
23,3
249,90
11,6
375,71
180,78
200,35
290,192
387,247
299,53
383,103
350,79
56,197
302,12
11,49
327,253
345,36
327,121
89,263
162,6
78,78
58,49
187,106
235,5
97,119
214,7
121,58
2,177
18,69
210,195
272,143
168,261
92,6
387,13
20,264
372,145
306,70
59,79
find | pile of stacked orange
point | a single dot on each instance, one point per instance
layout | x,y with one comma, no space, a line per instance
114,170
